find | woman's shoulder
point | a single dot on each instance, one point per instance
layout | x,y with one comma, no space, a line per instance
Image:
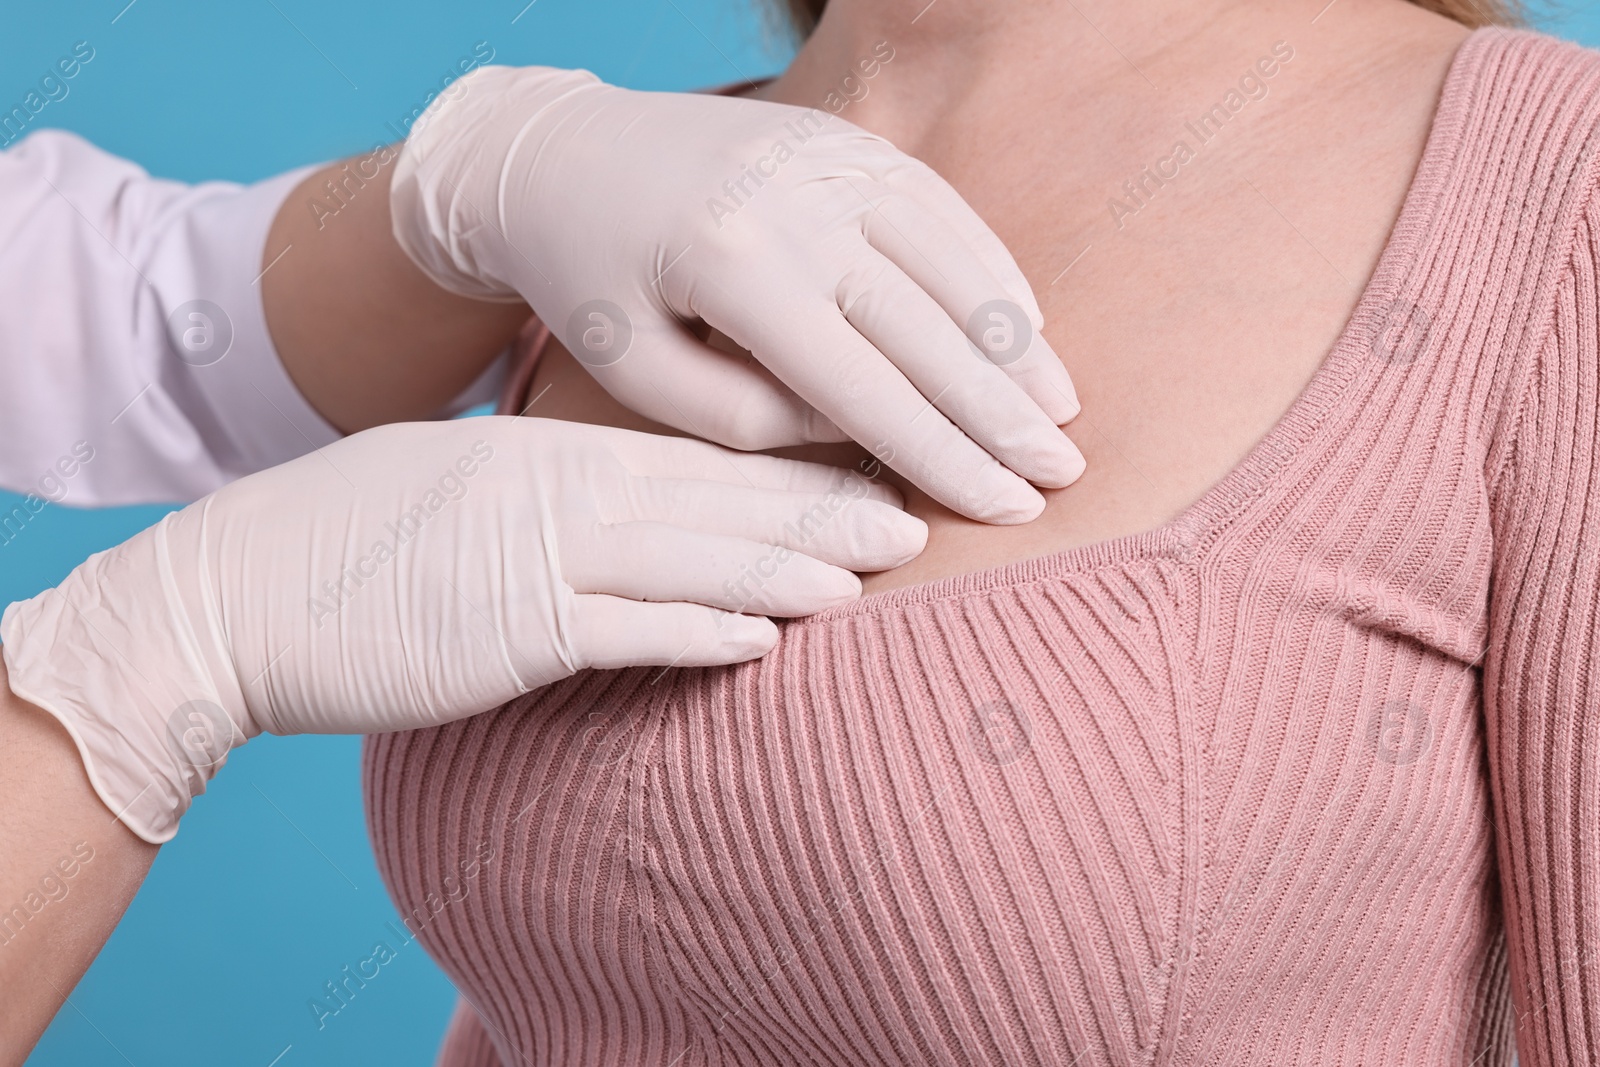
1520,116
1514,49
1520,120
1519,96
1499,226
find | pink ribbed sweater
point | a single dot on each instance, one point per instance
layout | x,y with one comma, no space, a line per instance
1310,775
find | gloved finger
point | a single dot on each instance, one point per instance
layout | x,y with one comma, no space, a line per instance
733,400
820,429
609,633
657,562
828,363
655,456
905,324
943,263
843,526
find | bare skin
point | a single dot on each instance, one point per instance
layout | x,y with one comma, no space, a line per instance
1193,327
367,337
53,820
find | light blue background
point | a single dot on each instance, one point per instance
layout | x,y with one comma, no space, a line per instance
271,888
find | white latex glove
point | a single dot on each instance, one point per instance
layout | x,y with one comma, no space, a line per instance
853,272
418,573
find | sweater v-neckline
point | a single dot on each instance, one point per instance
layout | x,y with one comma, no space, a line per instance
1228,501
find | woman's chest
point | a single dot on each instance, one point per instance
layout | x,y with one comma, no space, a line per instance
1087,810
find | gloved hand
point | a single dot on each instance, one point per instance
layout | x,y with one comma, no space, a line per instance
867,287
418,573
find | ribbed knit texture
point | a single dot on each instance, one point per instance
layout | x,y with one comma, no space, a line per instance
1310,775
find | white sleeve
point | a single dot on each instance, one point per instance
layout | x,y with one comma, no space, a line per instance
135,364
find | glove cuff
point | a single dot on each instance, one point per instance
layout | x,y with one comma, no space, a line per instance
445,201
110,654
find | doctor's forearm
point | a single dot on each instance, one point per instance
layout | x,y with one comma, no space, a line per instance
68,870
366,336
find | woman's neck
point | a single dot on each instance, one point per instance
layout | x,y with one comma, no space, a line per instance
1106,61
